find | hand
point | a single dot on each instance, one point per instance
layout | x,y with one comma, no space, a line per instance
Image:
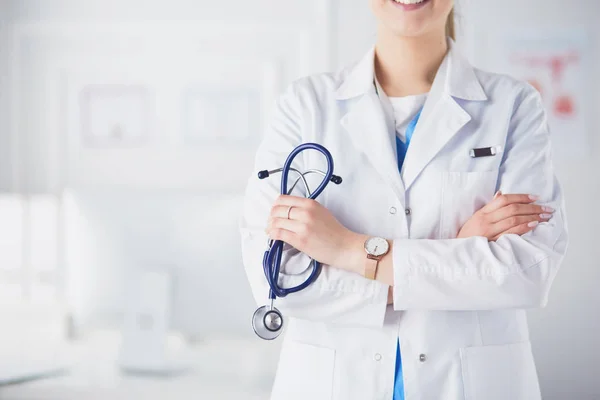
507,213
311,228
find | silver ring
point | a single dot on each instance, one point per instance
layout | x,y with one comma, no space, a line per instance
289,211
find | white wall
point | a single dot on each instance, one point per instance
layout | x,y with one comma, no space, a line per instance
4,103
59,47
56,49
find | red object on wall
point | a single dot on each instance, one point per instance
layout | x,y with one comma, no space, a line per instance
564,106
557,63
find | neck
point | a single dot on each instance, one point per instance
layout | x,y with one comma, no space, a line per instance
407,66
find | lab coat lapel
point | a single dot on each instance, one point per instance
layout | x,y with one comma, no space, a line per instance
442,116
371,134
363,117
440,120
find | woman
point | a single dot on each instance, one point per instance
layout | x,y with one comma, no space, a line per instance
448,225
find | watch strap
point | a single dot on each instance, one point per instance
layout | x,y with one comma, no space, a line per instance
371,264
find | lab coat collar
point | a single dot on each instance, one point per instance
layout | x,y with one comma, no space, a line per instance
441,118
457,77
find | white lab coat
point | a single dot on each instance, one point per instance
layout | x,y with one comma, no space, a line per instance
459,304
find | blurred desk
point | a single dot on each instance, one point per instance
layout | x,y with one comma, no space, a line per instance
220,369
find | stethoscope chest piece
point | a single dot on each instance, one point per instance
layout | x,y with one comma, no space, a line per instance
267,322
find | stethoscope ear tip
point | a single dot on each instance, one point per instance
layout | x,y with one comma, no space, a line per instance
263,174
336,179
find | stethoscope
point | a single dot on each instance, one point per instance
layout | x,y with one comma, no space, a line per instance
267,320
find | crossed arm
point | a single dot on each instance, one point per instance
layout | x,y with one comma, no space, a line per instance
313,230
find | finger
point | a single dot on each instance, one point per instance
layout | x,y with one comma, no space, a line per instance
295,213
296,227
283,235
517,209
512,222
518,230
503,200
295,201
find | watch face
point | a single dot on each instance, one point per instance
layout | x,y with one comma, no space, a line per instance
377,246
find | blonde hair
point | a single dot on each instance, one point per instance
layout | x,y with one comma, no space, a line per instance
451,26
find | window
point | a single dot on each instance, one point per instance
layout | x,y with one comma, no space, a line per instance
28,248
11,233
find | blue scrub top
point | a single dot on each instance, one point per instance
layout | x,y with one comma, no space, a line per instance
401,149
398,381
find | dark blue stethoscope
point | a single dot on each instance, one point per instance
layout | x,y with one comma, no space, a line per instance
267,320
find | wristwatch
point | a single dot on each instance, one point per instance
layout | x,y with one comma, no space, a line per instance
376,248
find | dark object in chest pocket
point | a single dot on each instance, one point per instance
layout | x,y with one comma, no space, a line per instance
483,152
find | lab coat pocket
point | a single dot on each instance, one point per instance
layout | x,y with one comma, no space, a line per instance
463,194
305,371
500,372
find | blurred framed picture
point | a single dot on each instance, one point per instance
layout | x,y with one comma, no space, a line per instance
556,62
212,116
115,116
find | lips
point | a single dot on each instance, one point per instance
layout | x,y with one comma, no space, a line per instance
409,5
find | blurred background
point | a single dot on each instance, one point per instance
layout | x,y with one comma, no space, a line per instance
127,133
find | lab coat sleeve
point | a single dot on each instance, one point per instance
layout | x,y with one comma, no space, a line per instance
336,296
512,272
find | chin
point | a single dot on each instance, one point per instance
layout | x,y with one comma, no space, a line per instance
411,32
412,18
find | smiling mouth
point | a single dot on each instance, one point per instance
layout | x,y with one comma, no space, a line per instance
409,1
409,5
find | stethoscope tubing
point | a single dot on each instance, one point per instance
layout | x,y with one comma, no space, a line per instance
272,257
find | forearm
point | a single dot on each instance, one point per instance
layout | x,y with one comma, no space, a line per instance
471,273
355,258
354,261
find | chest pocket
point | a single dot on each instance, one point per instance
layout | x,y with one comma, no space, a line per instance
463,193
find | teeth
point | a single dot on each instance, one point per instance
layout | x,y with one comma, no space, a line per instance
409,1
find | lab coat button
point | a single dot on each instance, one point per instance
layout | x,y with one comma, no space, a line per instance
377,357
408,211
422,357
393,210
